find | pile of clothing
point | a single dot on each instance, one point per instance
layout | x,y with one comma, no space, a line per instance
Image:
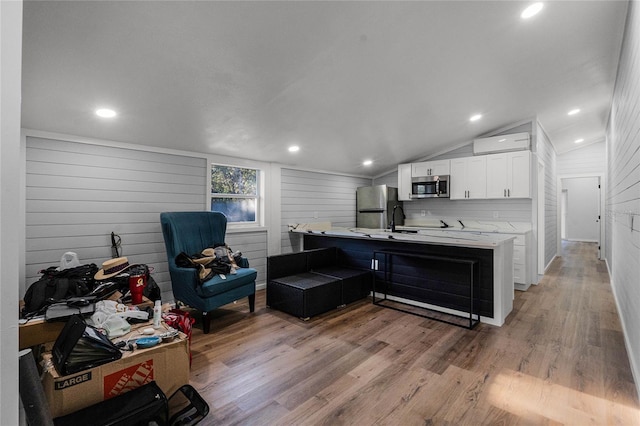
219,259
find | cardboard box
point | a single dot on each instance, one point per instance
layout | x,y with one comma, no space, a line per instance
167,364
38,331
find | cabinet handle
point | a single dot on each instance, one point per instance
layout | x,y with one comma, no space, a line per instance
504,192
508,193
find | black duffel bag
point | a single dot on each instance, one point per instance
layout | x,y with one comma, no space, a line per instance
143,406
138,407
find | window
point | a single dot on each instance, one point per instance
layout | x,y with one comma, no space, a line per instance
234,192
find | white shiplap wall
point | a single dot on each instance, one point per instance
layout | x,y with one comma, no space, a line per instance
587,160
547,155
308,197
622,198
77,194
253,245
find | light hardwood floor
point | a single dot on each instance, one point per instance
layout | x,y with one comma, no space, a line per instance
559,359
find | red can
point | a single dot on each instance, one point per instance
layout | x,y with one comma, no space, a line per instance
137,283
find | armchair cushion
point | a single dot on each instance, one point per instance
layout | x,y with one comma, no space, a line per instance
218,285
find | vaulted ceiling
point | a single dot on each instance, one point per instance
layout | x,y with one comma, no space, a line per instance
345,81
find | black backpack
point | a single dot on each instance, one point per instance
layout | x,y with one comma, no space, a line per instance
57,285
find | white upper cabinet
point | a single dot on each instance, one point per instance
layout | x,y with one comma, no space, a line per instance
509,175
506,175
468,178
430,168
404,182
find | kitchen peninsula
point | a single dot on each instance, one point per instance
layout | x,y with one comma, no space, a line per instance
426,266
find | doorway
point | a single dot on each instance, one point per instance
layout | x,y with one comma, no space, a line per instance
580,209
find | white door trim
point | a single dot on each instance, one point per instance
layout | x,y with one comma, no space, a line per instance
541,219
601,178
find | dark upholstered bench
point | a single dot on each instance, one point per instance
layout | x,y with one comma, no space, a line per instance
312,282
304,295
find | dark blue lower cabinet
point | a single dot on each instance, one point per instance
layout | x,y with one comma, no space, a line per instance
456,278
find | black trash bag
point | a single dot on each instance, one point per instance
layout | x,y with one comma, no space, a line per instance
55,286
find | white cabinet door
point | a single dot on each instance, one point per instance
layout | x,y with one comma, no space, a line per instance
519,174
420,169
468,178
508,175
497,176
430,168
442,167
404,182
458,179
476,177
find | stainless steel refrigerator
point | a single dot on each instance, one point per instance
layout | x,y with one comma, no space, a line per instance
375,205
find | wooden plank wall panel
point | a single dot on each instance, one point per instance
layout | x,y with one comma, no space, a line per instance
547,154
77,194
316,197
622,198
587,160
253,246
390,179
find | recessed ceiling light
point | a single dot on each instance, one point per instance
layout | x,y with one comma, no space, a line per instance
574,111
367,162
578,140
105,113
475,117
532,10
294,148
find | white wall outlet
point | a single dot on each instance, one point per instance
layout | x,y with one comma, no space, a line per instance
496,215
423,213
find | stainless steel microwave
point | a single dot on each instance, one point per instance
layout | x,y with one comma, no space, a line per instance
430,186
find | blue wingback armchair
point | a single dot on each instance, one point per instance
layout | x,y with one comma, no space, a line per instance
191,232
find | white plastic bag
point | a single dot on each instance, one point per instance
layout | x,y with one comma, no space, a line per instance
69,260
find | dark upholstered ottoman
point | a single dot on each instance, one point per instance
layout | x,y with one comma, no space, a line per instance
304,295
356,284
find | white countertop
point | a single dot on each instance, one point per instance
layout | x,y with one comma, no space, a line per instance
441,236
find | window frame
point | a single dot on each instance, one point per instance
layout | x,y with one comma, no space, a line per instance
259,197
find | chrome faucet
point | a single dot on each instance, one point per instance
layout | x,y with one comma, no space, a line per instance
393,217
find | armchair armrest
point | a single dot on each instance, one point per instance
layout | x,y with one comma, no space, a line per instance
184,275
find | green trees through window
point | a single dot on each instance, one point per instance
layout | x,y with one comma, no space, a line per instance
234,191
